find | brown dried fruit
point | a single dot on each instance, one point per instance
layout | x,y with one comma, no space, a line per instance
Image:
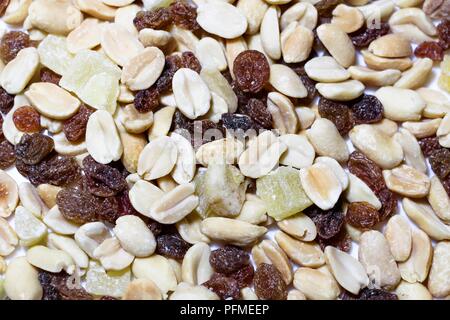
147,100
180,122
363,37
225,287
11,43
199,128
7,155
189,60
172,246
74,128
367,109
244,276
429,145
33,148
269,284
3,5
257,110
369,294
362,215
155,227
342,241
367,170
58,286
102,180
388,203
328,223
78,205
158,19
47,75
440,162
184,15
234,121
27,119
228,259
251,70
172,64
1,129
6,101
443,30
326,7
338,113
430,49
109,210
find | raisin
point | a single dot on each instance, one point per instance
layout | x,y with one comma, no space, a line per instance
158,19
33,148
12,42
429,145
180,121
7,155
234,121
364,36
310,86
101,179
328,222
6,101
446,185
189,60
172,64
155,227
430,49
109,210
78,205
3,5
74,128
342,241
257,110
325,7
58,286
251,70
108,298
338,113
367,170
269,284
48,75
147,100
125,206
367,109
369,294
362,215
388,203
2,137
206,130
172,246
228,259
225,287
440,162
244,276
50,292
27,119
184,15
443,30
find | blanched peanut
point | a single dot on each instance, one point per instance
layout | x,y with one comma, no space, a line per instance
316,284
407,181
21,281
398,235
302,253
416,268
196,268
439,280
337,43
269,251
134,236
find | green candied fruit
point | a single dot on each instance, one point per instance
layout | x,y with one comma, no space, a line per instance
282,192
111,283
29,229
54,55
221,190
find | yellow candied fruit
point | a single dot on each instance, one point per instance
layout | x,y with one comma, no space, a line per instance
111,283
54,55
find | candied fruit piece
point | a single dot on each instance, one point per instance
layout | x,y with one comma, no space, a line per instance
228,259
29,229
54,55
12,42
101,92
27,119
102,283
269,284
282,193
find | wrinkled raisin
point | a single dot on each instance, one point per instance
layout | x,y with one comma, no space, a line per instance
440,162
251,70
78,205
228,259
364,36
155,227
338,113
367,109
7,155
269,284
102,180
109,209
225,287
49,290
147,100
367,170
172,64
443,30
158,19
446,185
172,246
48,75
33,148
325,7
27,119
108,298
6,101
2,137
310,86
3,5
184,15
58,286
257,110
362,215
244,97
244,276
328,222
430,49
429,145
125,206
74,128
342,241
180,121
206,130
189,60
388,203
234,121
12,42
369,294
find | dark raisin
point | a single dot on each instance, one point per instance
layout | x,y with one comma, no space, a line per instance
12,42
3,5
429,145
388,203
362,215
228,259
48,75
172,64
58,286
184,15
430,49
225,287
443,30
189,60
204,131
325,7
269,284
244,276
6,101
257,110
147,100
376,294
364,36
125,206
251,70
109,209
446,185
338,113
102,180
342,241
328,222
172,246
155,227
367,170
50,292
108,298
310,86
2,137
440,162
180,121
7,155
33,148
78,205
27,119
234,121
367,109
158,19
74,128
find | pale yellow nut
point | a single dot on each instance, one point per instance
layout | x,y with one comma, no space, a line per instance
398,235
22,281
380,63
316,284
337,43
347,18
438,282
270,33
19,71
407,181
157,159
302,253
391,46
9,194
281,108
196,268
326,69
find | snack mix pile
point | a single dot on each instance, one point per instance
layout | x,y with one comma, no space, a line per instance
220,149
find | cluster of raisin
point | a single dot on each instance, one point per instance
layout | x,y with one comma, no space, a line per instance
435,50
